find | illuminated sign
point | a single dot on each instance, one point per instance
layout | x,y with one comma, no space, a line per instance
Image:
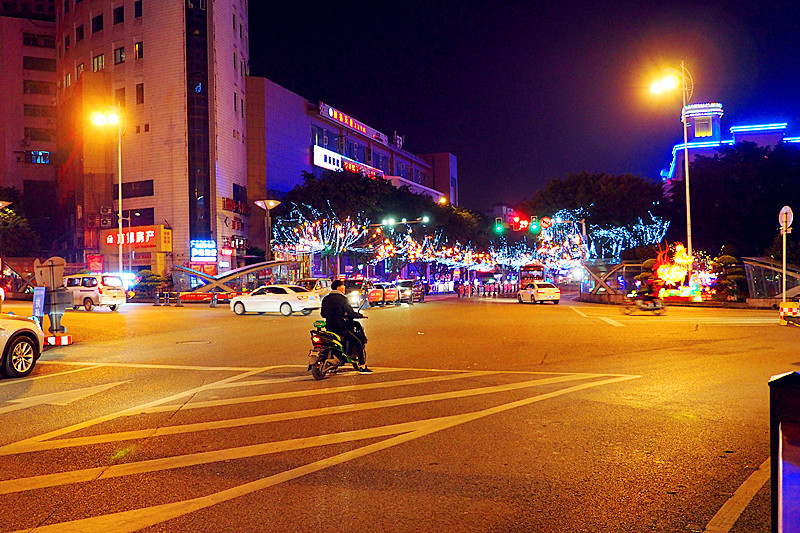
334,114
229,204
140,238
201,251
327,159
703,110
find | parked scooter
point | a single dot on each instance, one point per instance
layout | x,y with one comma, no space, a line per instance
638,303
329,351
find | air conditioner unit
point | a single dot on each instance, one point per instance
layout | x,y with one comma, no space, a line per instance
106,210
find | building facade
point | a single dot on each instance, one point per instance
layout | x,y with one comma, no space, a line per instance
28,86
176,70
704,136
289,135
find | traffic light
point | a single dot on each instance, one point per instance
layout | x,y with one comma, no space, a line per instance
498,225
534,226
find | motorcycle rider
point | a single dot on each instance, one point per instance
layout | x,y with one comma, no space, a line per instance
336,311
648,293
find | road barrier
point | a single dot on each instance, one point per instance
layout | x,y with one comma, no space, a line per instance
788,311
784,432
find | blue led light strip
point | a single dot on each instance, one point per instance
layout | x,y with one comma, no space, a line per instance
759,127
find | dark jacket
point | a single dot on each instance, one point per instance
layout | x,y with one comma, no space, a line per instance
336,310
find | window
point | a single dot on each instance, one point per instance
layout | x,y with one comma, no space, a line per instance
240,193
140,94
40,134
702,127
79,33
119,15
137,8
119,97
37,157
66,6
97,24
135,189
234,22
38,40
235,102
79,70
38,87
242,106
67,79
119,55
235,62
39,63
146,128
66,42
138,50
47,111
98,63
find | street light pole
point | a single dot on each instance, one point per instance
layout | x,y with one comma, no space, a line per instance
119,192
266,205
686,163
687,88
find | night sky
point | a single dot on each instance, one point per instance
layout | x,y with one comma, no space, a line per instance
522,92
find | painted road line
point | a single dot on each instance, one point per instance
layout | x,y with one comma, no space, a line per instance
584,315
314,392
729,513
168,367
57,398
32,445
16,446
611,321
44,376
129,521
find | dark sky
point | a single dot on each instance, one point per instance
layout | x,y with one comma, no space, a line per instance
522,92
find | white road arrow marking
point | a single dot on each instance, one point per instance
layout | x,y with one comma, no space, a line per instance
57,398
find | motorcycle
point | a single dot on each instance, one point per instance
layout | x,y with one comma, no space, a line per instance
637,303
329,351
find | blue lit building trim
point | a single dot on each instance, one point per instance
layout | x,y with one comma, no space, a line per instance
759,127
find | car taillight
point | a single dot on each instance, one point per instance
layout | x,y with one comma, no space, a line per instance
315,339
302,297
100,288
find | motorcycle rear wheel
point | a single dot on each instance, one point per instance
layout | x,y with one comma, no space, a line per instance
317,372
658,311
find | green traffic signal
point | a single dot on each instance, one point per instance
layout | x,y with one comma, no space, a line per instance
498,226
534,226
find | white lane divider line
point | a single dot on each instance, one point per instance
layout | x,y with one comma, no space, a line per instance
129,521
313,392
611,321
729,513
43,376
584,315
32,445
17,447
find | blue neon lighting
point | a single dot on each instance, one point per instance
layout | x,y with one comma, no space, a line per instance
759,127
791,139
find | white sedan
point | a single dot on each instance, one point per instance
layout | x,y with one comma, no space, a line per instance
287,299
21,340
538,292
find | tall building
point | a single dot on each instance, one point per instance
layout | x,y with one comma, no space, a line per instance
176,69
289,135
28,86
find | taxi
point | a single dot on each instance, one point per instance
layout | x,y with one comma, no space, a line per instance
383,293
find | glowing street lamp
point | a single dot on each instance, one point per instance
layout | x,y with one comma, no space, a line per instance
671,81
266,205
114,116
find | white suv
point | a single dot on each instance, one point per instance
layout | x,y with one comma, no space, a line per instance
90,290
21,341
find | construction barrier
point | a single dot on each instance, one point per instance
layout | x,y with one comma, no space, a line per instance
58,340
788,310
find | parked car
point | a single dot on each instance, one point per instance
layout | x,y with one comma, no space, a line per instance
384,293
21,340
286,299
90,290
539,292
321,286
410,290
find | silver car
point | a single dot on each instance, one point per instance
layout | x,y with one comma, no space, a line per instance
21,340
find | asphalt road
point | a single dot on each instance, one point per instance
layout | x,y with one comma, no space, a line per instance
482,415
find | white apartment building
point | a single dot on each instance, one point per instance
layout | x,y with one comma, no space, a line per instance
176,68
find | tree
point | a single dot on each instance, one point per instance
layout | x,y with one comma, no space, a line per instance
605,199
17,239
736,195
